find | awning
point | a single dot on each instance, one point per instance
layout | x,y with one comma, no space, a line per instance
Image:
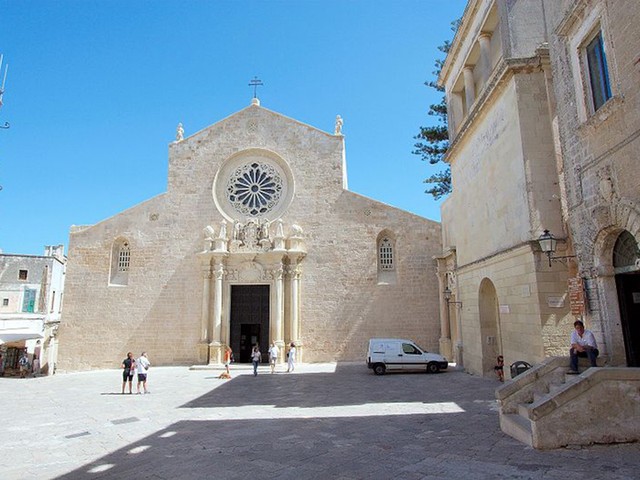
18,337
18,329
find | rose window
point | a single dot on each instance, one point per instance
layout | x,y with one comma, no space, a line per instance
254,189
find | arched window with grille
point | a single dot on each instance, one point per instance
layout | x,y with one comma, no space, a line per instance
120,262
386,254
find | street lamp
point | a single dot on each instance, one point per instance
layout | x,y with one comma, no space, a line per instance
447,297
548,245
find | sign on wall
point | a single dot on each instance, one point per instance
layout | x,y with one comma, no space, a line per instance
576,296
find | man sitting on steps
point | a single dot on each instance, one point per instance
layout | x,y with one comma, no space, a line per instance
583,344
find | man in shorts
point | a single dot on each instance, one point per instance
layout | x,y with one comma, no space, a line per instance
142,367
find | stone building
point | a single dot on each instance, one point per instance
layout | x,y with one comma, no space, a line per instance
544,123
595,55
257,239
31,295
505,297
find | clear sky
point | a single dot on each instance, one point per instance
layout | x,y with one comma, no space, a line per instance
96,88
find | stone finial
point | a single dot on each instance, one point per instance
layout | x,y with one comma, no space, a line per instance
223,230
279,229
179,133
339,123
255,101
296,230
208,233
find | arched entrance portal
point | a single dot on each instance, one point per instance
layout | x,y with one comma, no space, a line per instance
489,325
626,264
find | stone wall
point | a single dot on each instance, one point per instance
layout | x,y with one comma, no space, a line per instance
600,149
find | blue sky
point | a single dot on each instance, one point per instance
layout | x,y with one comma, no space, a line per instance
95,90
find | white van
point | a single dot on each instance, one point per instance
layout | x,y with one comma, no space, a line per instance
396,354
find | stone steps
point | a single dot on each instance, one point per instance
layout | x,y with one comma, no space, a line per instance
518,427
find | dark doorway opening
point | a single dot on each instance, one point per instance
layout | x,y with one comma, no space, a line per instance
249,320
629,298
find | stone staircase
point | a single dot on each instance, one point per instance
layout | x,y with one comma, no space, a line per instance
545,407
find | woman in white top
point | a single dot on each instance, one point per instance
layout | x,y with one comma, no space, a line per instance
291,358
273,356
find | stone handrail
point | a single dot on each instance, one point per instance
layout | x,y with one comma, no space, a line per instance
536,379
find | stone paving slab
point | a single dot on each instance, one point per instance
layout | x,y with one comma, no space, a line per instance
323,421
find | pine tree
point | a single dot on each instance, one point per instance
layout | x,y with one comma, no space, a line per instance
433,141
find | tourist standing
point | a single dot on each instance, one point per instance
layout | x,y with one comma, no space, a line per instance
291,358
142,367
35,371
128,367
256,357
23,362
273,356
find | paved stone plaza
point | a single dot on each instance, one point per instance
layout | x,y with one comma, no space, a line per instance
322,422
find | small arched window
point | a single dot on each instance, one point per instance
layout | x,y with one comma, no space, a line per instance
120,262
387,258
124,257
385,254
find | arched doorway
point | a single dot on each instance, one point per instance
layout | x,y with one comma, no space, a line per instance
489,325
626,264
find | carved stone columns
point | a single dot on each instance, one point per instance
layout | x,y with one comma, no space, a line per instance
279,310
445,315
469,87
485,55
215,344
294,318
203,353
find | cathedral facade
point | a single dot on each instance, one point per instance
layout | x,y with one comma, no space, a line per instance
256,240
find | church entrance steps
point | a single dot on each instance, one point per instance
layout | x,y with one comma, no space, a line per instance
546,408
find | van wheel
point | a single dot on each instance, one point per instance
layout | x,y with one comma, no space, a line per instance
379,369
433,368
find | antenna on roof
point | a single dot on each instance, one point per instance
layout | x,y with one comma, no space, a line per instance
4,81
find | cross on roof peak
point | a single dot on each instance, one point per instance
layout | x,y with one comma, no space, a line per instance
255,83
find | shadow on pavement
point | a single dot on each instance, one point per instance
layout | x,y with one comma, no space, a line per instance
348,385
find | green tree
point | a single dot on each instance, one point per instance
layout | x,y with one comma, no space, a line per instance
433,141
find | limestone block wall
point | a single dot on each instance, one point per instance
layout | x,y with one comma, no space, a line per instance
600,149
159,310
350,306
489,165
532,319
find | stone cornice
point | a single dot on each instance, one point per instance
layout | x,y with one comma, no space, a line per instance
469,13
574,14
502,72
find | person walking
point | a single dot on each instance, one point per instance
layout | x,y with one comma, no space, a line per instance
273,356
35,371
291,358
228,354
24,364
128,367
142,367
256,357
